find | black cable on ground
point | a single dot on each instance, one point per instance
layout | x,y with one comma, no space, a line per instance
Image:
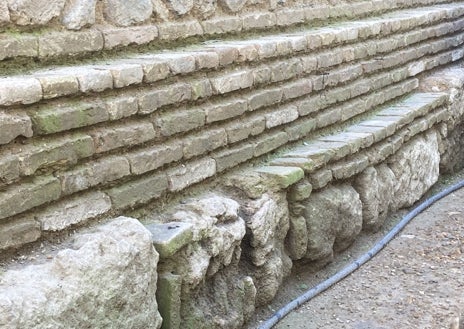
311,293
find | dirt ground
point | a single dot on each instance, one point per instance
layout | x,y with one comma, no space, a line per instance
417,281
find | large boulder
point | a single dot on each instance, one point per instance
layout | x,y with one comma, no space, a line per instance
34,12
106,279
375,188
333,220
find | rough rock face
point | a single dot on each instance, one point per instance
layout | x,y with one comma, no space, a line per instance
416,168
4,13
107,279
205,8
79,13
375,187
233,5
181,7
333,220
34,12
267,222
126,13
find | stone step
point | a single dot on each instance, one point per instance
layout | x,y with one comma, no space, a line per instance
35,86
52,43
343,154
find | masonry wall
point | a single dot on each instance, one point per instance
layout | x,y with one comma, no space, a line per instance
285,112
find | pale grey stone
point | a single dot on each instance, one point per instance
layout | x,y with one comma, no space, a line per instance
190,173
233,5
14,124
19,90
375,187
126,13
79,13
181,7
4,13
205,8
75,210
333,218
106,279
416,168
34,12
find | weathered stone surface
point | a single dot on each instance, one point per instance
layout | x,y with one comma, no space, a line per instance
168,295
14,124
282,176
233,5
152,158
217,233
34,12
78,14
121,37
375,186
171,237
126,134
60,118
87,285
39,191
181,7
4,13
204,8
93,173
297,237
55,153
333,219
267,221
17,232
19,90
190,173
125,13
76,210
137,191
416,168
9,168
56,85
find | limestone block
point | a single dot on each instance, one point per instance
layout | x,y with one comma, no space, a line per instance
124,74
128,134
9,168
19,45
70,43
14,124
241,130
115,262
191,173
259,20
416,168
233,5
138,191
4,13
152,158
300,191
176,93
124,13
78,14
203,142
60,118
121,37
180,7
333,219
227,110
168,122
34,12
270,142
56,85
282,116
231,157
222,25
204,8
55,153
19,90
39,191
217,232
180,30
76,210
375,186
226,83
19,231
201,89
121,107
168,295
171,237
297,237
282,176
96,172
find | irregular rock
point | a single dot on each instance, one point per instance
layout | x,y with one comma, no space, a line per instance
333,218
205,8
224,301
4,13
79,13
34,12
416,168
181,7
217,232
233,5
297,237
107,279
267,222
160,10
375,188
126,13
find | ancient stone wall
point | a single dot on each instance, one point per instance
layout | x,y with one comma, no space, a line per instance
305,123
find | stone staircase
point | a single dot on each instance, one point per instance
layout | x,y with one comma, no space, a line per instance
269,108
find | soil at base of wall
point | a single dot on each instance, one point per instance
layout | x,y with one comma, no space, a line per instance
417,281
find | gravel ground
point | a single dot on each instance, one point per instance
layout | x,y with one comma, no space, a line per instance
417,281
